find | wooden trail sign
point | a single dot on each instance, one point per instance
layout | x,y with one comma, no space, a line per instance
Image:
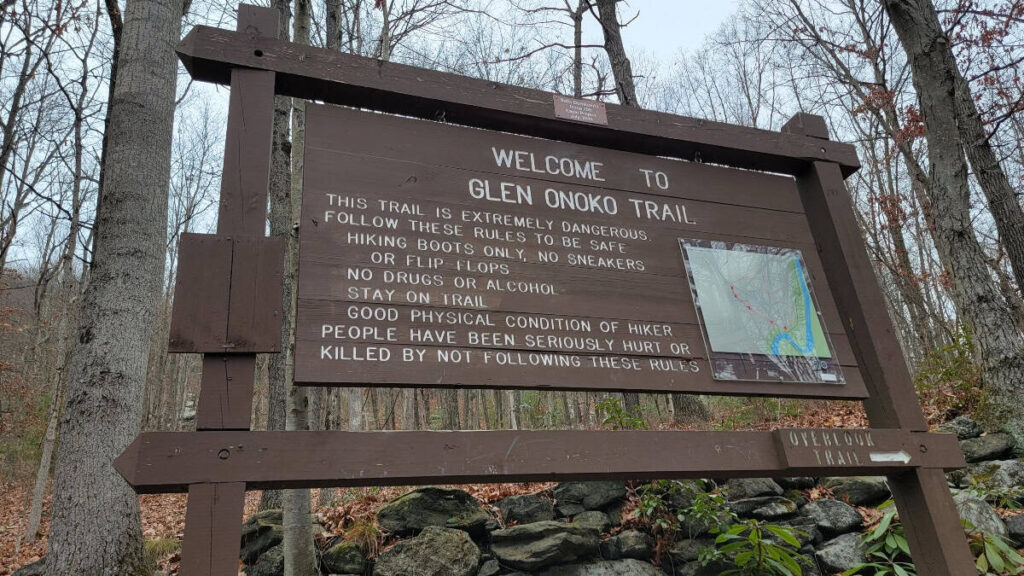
496,236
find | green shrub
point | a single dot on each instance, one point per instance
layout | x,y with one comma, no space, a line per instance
755,548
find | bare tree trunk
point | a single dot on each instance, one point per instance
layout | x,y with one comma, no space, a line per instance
625,87
974,291
280,225
299,547
96,527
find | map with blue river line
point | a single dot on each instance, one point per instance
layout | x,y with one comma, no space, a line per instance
756,302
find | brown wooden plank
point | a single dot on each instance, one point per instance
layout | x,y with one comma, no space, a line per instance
169,461
319,74
214,512
213,529
447,145
225,394
243,185
199,317
926,508
257,284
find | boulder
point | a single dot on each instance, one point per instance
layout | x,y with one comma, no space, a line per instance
37,568
571,498
627,544
763,507
270,563
981,516
796,483
859,490
1015,528
688,550
963,426
261,532
682,492
537,545
743,488
691,528
489,568
593,519
434,552
994,475
987,447
342,558
627,567
442,507
526,508
840,554
833,517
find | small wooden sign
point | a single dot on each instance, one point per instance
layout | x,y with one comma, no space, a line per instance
828,448
579,110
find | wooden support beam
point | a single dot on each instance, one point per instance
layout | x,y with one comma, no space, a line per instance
922,496
210,54
213,521
170,461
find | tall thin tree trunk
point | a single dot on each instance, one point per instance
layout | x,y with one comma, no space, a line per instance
974,291
95,526
625,87
299,547
280,225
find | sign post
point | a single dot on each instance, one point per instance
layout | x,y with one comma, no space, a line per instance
528,240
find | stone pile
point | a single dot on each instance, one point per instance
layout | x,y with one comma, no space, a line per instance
575,529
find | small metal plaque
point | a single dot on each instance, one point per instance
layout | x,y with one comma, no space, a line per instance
589,111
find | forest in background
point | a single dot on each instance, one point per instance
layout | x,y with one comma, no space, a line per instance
945,257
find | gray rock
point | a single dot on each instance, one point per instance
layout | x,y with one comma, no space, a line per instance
526,508
682,493
489,568
695,568
833,517
859,490
796,483
446,508
627,567
987,447
270,563
742,488
627,544
343,558
593,519
995,475
688,549
261,532
691,528
1015,528
571,498
963,426
764,507
536,545
840,554
37,568
435,552
979,514
806,531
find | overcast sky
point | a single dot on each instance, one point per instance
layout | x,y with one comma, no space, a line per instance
666,26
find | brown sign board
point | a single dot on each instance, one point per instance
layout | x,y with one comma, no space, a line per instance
728,269
435,255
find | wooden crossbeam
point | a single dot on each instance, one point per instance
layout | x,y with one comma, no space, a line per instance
312,73
170,461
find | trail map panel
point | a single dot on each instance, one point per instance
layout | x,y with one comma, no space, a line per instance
758,313
436,255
